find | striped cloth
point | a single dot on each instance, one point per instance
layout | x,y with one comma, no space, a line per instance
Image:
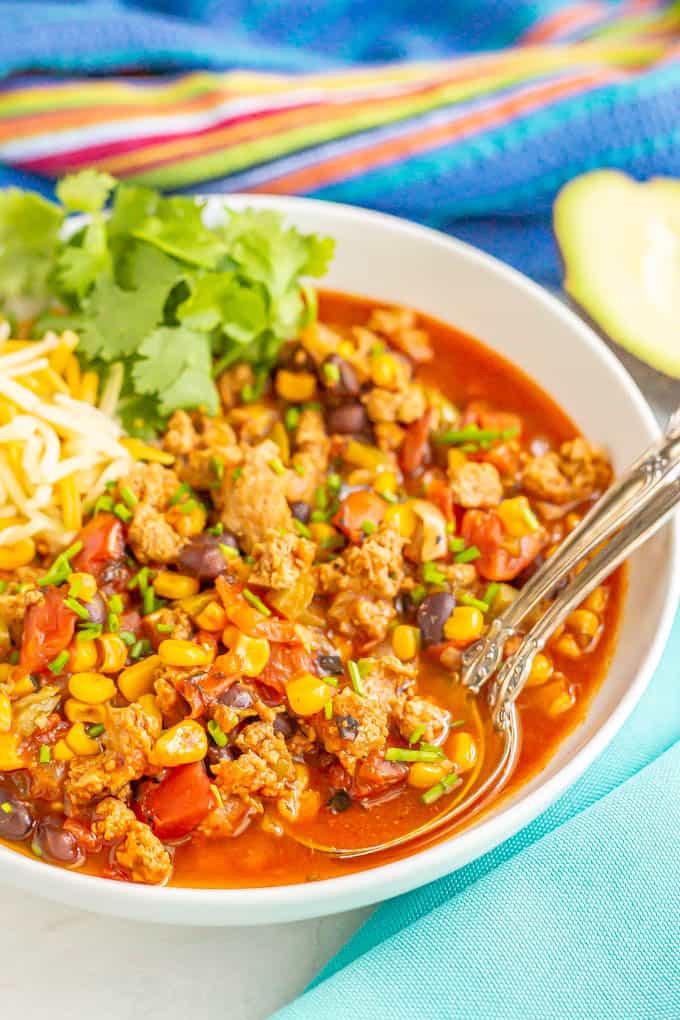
477,144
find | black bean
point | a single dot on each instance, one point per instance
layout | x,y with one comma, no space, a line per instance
339,802
16,820
51,841
217,754
343,381
96,609
286,725
329,665
301,511
238,696
202,557
433,612
296,359
348,727
348,419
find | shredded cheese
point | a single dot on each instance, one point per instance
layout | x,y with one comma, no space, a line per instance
56,450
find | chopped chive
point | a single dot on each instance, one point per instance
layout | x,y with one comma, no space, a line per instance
318,517
148,601
389,497
490,593
72,550
216,529
45,755
181,490
365,666
435,748
76,608
411,754
128,497
432,574
228,551
13,657
291,418
331,372
217,733
276,466
470,600
104,503
250,560
334,482
368,527
75,584
218,468
377,349
473,434
128,637
530,518
3,587
165,628
299,469
116,604
328,709
301,528
95,730
439,789
355,678
417,734
468,555
111,484
57,664
113,622
331,542
139,648
456,723
418,594
236,474
122,513
89,633
456,544
321,497
59,572
188,506
256,602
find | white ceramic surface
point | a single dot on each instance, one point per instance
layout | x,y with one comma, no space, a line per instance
391,260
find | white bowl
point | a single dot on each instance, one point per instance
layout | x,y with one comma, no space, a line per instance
391,260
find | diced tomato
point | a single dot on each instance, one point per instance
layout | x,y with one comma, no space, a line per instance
103,541
505,457
441,494
179,803
499,560
357,508
285,662
375,774
414,447
249,619
48,630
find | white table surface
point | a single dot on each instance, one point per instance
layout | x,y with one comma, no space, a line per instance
56,959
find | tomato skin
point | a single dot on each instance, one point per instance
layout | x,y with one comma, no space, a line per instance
103,541
179,803
48,629
285,662
485,529
249,619
414,447
359,506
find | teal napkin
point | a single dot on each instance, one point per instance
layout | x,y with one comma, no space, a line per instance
575,918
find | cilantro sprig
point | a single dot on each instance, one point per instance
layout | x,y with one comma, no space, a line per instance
155,289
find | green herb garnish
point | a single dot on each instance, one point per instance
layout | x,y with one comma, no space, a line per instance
256,602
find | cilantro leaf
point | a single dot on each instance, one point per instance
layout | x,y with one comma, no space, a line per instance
115,321
85,258
86,191
219,299
177,228
29,238
176,364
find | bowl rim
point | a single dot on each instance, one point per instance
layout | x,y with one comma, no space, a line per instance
175,904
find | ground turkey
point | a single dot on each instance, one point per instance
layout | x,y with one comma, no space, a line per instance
254,503
577,472
139,852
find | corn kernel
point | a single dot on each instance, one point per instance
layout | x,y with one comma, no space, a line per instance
175,586
20,682
405,642
137,680
385,371
78,711
175,652
386,483
212,618
518,517
82,656
307,694
295,386
404,517
62,752
568,646
541,670
365,456
5,713
183,743
113,652
10,758
252,653
18,555
597,600
309,803
149,705
461,750
455,460
322,532
195,604
6,671
92,688
186,524
424,774
84,584
583,621
79,742
465,625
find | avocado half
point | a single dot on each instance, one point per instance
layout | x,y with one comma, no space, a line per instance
620,241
